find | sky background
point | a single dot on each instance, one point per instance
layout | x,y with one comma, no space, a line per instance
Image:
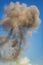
35,51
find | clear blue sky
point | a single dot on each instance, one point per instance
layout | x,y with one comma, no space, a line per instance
35,52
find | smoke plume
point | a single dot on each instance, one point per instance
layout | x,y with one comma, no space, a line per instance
19,19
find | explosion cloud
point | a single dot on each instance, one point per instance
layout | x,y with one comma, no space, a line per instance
19,19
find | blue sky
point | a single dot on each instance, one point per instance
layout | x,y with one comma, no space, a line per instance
35,52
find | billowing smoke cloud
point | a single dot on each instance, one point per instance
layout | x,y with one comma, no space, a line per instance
21,15
19,19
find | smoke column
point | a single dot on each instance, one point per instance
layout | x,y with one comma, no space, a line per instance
18,21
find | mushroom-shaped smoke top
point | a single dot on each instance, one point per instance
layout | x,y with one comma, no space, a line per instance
21,15
19,19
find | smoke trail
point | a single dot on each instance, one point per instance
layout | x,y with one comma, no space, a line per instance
19,19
